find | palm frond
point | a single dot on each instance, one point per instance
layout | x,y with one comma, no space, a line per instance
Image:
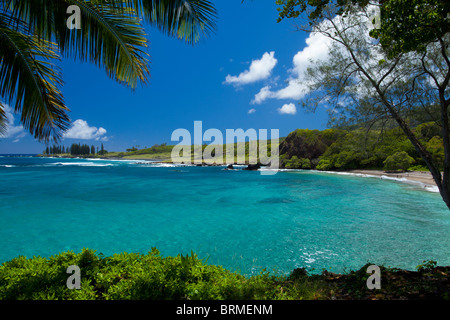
33,32
3,120
110,38
30,81
187,20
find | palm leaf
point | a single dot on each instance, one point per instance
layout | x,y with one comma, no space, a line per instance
110,38
30,80
188,20
3,120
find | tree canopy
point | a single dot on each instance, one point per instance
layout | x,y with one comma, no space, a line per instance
405,25
394,70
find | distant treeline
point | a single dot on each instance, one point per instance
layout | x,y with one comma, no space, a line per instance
76,149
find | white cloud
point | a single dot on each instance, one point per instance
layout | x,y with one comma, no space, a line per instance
259,70
262,95
288,109
252,110
15,132
294,90
316,48
81,130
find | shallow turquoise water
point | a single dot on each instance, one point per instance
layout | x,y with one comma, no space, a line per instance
242,220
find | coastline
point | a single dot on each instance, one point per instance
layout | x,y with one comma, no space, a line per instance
416,176
422,179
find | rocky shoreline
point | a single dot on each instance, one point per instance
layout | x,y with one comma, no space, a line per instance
423,177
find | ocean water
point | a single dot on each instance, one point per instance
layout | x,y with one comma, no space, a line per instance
242,220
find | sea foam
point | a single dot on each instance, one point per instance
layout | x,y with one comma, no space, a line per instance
419,184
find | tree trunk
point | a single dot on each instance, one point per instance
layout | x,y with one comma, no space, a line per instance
442,180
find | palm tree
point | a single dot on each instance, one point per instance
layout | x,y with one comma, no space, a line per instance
34,36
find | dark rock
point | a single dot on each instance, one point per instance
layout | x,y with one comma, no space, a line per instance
298,273
253,167
307,144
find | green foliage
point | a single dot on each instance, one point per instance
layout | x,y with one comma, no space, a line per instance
135,276
305,163
428,130
163,148
303,147
436,147
418,168
426,264
80,150
34,37
406,25
359,149
296,163
324,165
138,276
409,25
400,160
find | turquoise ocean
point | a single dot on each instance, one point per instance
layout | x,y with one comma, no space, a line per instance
242,220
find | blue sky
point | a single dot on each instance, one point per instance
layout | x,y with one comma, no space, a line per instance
246,75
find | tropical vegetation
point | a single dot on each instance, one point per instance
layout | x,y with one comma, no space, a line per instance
134,276
34,36
387,60
329,149
340,149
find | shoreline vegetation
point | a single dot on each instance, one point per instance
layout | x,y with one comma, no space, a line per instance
423,177
412,39
384,154
135,276
355,152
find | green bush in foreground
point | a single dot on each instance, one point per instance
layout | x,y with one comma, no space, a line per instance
134,276
140,276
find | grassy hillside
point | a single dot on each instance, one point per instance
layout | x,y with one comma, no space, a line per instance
164,152
330,149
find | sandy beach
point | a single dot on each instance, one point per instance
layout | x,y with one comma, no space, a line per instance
414,176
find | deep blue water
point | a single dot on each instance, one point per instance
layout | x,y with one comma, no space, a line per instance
242,220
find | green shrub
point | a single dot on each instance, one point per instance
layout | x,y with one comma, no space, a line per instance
428,130
324,165
296,163
426,265
346,159
138,276
293,163
418,168
305,163
362,149
399,160
436,147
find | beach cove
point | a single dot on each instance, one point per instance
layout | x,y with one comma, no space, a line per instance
239,219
